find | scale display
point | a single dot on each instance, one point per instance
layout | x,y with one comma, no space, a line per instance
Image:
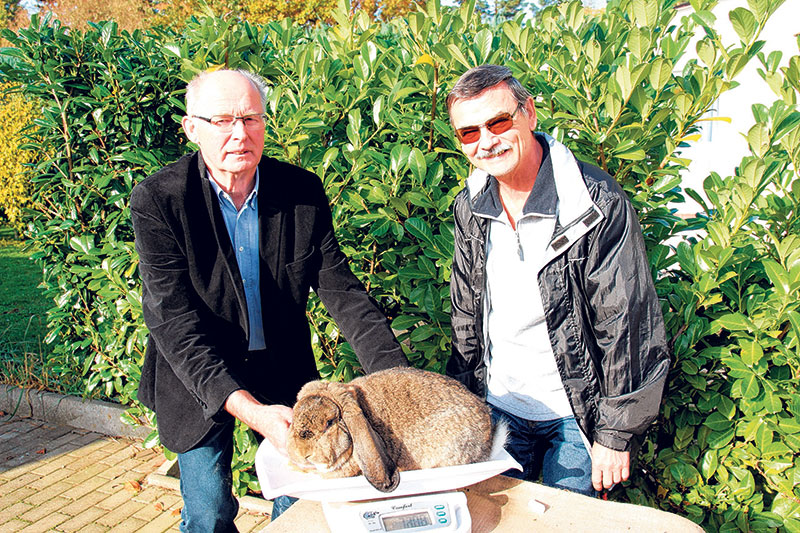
437,513
406,521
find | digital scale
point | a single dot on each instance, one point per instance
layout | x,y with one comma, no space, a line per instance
442,512
425,500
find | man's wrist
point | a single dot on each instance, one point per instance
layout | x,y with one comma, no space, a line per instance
241,404
612,441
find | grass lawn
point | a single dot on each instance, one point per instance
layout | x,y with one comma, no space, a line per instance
22,318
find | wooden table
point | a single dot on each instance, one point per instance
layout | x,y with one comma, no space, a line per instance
500,504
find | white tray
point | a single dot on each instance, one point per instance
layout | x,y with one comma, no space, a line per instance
277,478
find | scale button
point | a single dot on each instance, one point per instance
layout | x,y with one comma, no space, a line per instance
443,520
441,513
438,506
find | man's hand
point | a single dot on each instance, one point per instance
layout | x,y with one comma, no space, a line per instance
271,421
609,466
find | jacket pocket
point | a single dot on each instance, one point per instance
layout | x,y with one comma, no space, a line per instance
300,274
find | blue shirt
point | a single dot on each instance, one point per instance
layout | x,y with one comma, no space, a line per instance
242,228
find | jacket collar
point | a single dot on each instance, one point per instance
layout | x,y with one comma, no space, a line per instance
542,200
577,213
573,199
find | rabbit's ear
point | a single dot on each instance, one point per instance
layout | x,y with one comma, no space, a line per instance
368,446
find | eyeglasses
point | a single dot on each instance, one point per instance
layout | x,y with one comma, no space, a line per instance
225,123
497,125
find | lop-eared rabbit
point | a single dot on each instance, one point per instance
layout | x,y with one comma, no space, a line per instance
392,420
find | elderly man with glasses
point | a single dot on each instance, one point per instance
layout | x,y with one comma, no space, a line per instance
555,318
230,242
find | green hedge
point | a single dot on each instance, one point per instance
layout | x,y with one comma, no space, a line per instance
362,105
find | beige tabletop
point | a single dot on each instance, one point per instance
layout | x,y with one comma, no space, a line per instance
501,504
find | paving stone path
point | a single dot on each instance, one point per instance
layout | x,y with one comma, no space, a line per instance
61,479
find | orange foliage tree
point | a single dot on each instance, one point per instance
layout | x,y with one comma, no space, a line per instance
128,14
136,14
13,15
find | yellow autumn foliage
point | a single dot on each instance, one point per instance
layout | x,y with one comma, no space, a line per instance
316,11
308,12
16,112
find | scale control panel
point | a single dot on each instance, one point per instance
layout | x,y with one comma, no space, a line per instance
406,516
439,513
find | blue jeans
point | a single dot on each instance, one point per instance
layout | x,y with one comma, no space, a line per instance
206,485
279,506
553,449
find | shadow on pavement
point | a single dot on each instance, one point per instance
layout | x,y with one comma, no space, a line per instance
24,440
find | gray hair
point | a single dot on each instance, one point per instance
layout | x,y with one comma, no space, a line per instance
194,86
478,79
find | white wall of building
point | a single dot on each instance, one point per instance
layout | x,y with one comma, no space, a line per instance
723,145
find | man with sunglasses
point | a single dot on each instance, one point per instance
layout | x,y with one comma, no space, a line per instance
230,243
555,318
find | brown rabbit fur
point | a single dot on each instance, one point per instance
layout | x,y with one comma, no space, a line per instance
392,420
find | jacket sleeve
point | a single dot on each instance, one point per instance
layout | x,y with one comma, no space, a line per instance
627,326
179,324
466,346
357,314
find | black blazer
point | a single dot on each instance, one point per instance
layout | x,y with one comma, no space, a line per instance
194,305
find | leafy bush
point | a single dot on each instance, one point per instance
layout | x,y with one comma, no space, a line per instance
362,105
106,121
16,113
728,443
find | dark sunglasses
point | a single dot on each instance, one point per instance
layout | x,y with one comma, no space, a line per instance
497,125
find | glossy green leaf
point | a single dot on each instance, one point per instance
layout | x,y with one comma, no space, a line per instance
734,322
751,352
660,72
759,140
717,422
749,387
404,322
709,464
417,164
419,229
744,23
645,12
720,439
483,44
706,51
777,275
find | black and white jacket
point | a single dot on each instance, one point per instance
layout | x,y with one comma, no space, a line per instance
603,316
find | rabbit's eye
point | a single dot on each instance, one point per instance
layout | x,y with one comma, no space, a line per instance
305,434
329,423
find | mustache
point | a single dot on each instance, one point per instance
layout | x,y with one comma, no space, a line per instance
494,151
